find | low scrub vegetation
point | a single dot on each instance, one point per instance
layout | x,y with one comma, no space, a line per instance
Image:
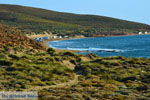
116,78
26,65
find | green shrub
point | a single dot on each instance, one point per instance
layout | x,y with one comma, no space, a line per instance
5,63
51,51
68,54
14,56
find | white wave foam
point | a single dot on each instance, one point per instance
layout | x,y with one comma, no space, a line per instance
55,41
96,49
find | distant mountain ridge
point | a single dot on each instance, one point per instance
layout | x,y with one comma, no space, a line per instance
32,20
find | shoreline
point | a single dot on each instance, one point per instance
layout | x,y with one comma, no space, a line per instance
45,42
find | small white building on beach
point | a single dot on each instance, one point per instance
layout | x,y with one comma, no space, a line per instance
140,33
55,37
66,36
146,32
60,37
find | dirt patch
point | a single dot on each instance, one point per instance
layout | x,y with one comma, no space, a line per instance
68,64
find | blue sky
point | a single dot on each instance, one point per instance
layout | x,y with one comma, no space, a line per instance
133,10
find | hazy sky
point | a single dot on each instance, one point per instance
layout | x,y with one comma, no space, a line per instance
133,10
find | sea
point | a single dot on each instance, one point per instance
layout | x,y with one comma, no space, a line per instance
127,46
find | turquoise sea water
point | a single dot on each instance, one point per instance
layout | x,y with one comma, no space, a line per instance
128,46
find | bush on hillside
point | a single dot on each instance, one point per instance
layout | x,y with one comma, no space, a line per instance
51,51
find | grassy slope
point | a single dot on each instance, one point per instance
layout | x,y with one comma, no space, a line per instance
11,37
25,67
110,78
39,20
25,63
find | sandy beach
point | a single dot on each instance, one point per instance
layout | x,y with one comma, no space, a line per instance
45,42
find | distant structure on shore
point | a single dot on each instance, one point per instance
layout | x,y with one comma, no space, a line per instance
40,39
140,33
